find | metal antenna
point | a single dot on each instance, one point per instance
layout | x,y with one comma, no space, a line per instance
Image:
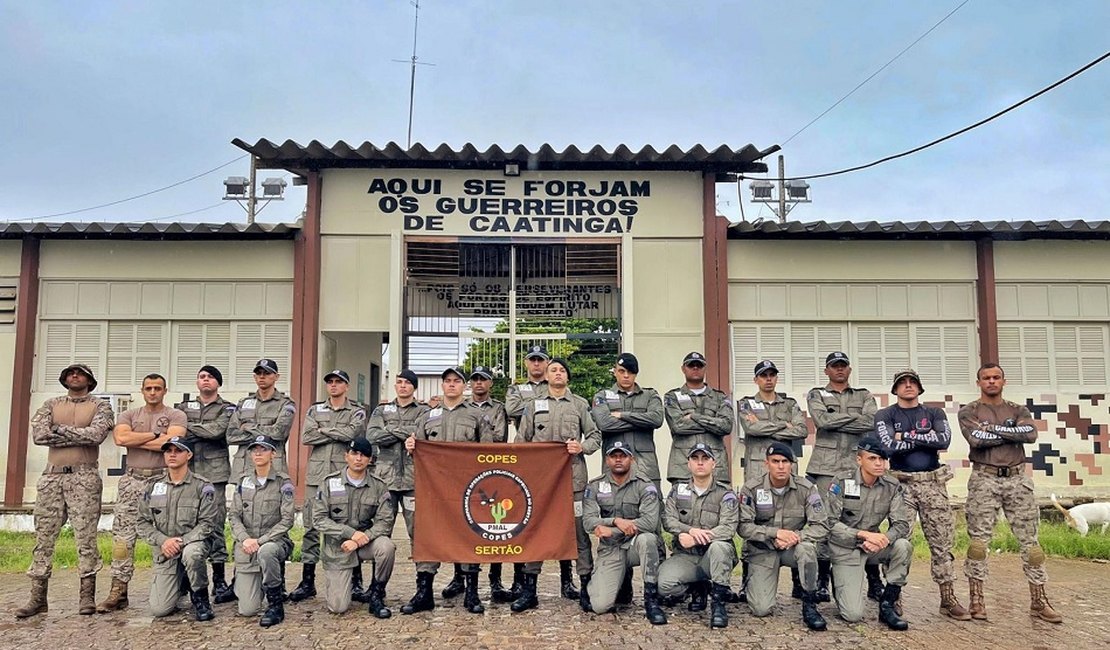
413,63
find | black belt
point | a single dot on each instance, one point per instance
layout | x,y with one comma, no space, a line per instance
1001,472
68,469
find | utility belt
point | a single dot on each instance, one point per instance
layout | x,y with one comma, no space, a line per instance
941,473
144,473
1000,472
70,469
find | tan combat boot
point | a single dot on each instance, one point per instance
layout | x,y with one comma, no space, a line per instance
117,598
87,599
977,609
37,604
1039,605
950,605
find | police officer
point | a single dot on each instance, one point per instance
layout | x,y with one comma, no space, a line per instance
701,514
143,431
267,412
697,413
72,427
207,419
858,502
452,421
621,508
329,427
842,414
354,513
176,516
481,381
261,516
782,520
563,417
914,435
997,431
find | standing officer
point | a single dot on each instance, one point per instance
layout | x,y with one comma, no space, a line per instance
915,434
842,414
267,412
782,521
208,416
72,426
355,514
452,421
560,417
858,503
176,516
997,431
622,510
696,414
481,381
143,431
329,428
701,514
261,517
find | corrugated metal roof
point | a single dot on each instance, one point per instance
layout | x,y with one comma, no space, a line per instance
148,230
314,156
921,230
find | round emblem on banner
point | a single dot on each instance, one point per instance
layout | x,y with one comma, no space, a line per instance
497,504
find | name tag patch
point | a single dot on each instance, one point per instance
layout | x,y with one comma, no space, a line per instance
763,498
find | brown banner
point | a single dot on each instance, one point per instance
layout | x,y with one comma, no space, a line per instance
493,503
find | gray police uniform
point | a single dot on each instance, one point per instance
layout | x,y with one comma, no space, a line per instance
207,433
714,510
261,509
641,412
390,425
343,508
517,395
495,412
329,431
604,500
763,512
561,419
781,419
854,506
694,418
841,418
186,510
254,417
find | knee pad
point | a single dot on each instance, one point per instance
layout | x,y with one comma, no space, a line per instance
977,550
1036,555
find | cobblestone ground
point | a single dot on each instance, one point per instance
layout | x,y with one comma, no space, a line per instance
1079,589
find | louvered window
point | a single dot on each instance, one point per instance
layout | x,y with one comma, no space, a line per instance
1055,355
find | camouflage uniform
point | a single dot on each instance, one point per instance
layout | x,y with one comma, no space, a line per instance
207,433
261,510
781,419
693,418
254,417
390,425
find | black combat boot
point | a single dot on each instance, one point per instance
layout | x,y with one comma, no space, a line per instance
796,590
874,582
219,581
810,616
495,586
566,580
307,588
227,595
528,599
275,612
624,595
584,595
699,592
824,572
471,601
742,592
887,614
202,609
652,611
718,616
375,596
422,600
358,594
457,584
502,595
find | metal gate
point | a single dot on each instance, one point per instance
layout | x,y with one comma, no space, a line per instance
481,303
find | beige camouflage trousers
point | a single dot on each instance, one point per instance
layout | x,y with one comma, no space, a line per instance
929,499
75,497
1014,494
125,519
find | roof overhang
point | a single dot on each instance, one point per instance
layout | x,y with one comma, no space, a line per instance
148,230
895,230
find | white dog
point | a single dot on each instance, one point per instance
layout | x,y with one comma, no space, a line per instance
1083,516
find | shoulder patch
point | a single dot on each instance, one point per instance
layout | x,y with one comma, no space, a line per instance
291,407
287,488
814,500
834,488
745,499
729,497
588,493
208,490
650,489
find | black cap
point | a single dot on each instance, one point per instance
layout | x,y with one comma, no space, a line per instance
266,365
902,374
338,374
694,358
703,448
836,357
765,366
179,442
481,371
618,447
872,445
778,448
83,369
454,370
562,362
629,362
215,372
263,441
537,351
410,376
362,446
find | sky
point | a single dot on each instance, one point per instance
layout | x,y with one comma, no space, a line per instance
103,101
